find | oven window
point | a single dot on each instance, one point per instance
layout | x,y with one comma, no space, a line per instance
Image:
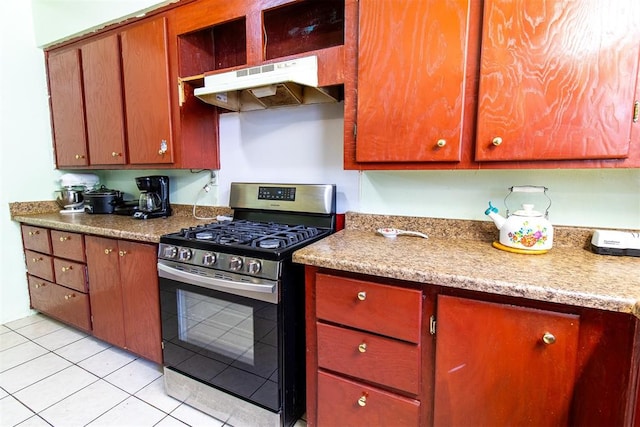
225,340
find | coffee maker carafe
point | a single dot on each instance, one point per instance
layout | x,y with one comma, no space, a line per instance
154,197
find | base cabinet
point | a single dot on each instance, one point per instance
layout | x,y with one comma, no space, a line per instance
498,364
462,358
124,295
57,275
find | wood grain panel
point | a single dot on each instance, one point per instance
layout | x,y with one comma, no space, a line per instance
70,274
557,79
67,108
492,367
386,310
145,66
103,101
105,290
338,405
39,265
411,80
36,238
141,299
386,362
68,245
61,303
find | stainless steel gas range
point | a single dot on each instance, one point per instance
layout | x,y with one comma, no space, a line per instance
232,304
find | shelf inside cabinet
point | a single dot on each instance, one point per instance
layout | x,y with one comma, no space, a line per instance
213,48
303,27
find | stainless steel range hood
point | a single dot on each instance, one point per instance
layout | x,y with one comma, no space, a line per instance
286,83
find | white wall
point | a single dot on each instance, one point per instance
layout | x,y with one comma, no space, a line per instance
592,198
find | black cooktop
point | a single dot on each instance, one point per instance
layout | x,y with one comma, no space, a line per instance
246,237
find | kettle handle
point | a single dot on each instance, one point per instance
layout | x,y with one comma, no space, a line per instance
529,189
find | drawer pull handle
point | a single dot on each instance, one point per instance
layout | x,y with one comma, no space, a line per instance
34,233
68,297
108,251
36,259
122,253
548,338
63,239
362,295
362,348
41,285
79,156
362,401
67,268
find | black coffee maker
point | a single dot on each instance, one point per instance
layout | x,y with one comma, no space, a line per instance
154,197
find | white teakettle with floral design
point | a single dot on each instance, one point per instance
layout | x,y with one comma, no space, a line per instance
526,228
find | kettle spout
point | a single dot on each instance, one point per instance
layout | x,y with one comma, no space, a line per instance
498,219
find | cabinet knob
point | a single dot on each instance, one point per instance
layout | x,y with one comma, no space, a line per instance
441,143
108,251
34,233
163,147
362,401
67,268
362,348
63,239
79,156
68,297
114,154
40,285
122,253
548,338
36,259
362,295
496,141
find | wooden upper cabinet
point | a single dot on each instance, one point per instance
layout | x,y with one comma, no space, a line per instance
67,108
145,66
499,364
411,80
557,79
103,101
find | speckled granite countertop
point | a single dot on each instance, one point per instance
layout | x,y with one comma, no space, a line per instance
46,214
459,254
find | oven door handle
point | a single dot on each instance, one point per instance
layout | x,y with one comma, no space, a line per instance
168,272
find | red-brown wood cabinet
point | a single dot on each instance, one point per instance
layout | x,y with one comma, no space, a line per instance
477,84
57,275
462,357
125,305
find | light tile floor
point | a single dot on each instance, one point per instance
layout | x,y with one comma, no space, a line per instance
51,374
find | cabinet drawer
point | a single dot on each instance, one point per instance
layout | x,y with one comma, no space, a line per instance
36,238
67,245
387,310
40,265
67,305
342,402
70,274
384,361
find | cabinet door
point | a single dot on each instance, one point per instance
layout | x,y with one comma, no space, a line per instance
411,78
499,364
141,299
557,79
105,290
145,66
67,108
103,101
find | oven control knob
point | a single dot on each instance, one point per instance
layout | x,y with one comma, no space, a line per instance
235,263
209,258
169,252
254,266
184,254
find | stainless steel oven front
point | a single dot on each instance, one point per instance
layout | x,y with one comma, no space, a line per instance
223,344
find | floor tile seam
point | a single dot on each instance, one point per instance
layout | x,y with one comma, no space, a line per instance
65,397
24,361
93,373
58,348
88,357
169,416
43,378
120,403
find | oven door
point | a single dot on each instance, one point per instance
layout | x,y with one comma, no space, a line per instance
224,340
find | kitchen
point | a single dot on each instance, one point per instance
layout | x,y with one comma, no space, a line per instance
606,198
